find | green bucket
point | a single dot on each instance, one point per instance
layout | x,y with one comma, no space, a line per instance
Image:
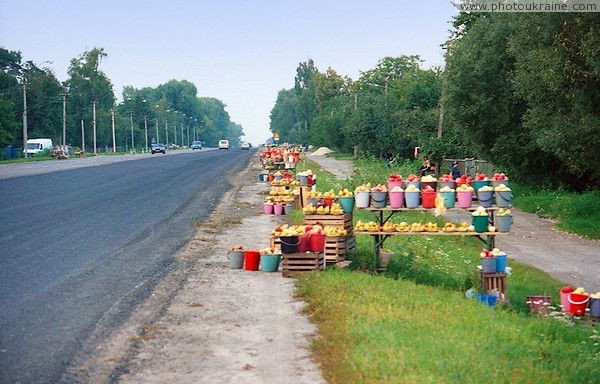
347,203
270,263
480,223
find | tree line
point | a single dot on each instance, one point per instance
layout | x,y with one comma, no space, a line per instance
521,90
171,113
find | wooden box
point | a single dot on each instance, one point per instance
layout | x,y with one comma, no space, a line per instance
337,247
338,221
293,264
494,283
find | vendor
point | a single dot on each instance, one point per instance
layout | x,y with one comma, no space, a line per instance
454,170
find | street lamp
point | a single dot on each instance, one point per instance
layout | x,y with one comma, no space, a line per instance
156,118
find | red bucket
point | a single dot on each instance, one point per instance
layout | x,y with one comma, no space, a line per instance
251,260
328,201
428,199
578,303
316,243
302,243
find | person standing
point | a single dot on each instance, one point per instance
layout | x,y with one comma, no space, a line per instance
454,170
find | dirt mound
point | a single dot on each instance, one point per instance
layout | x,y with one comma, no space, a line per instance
321,151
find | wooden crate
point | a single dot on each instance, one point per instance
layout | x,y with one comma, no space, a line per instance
337,247
293,264
494,283
338,221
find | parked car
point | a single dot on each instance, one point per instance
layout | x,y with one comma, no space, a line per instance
245,146
196,145
223,144
158,148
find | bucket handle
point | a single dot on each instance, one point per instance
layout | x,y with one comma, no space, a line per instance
379,201
578,303
292,245
503,193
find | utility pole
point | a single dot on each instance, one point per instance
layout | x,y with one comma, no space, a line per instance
166,133
441,121
175,132
146,129
157,138
25,114
131,122
64,138
82,137
112,117
94,124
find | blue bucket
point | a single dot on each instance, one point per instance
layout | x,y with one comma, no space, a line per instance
449,199
490,300
485,198
347,203
412,199
269,263
501,263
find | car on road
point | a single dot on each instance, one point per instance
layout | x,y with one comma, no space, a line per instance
196,145
158,148
245,146
223,144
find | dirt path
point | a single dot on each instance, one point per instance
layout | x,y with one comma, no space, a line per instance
532,240
218,325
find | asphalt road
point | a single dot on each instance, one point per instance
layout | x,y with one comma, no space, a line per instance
83,240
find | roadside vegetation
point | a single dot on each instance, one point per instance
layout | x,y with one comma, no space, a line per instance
414,323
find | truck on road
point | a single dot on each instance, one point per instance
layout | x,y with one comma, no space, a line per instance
36,145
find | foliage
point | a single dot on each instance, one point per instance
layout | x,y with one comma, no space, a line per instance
172,109
523,87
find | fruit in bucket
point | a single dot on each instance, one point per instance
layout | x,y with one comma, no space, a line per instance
394,177
567,289
446,178
379,188
363,188
412,188
481,177
581,291
397,189
499,177
237,248
345,193
502,187
486,253
480,211
428,179
412,178
503,212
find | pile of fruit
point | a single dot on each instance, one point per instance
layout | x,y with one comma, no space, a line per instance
389,226
296,230
335,209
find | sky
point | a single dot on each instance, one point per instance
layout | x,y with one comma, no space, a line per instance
240,52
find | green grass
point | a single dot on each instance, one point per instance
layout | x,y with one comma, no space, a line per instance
414,324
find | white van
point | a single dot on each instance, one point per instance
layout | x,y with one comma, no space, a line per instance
223,144
36,145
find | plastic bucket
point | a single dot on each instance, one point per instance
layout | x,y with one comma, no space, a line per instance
594,307
412,199
578,303
269,263
313,201
415,183
490,300
362,199
347,203
480,183
449,199
268,209
396,199
278,209
287,209
379,199
503,223
316,243
432,184
327,201
503,198
393,184
539,304
564,302
303,180
488,264
236,259
465,199
497,183
251,260
480,223
501,263
289,244
449,184
428,198
302,243
485,198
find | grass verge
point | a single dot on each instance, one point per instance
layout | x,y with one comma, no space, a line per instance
414,324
